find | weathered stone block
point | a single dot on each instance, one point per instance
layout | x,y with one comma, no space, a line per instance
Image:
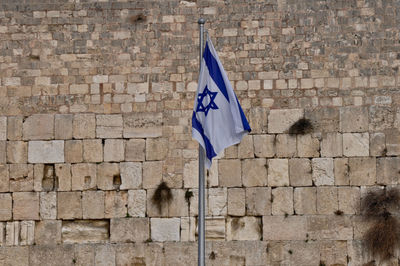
5,206
258,119
39,127
25,206
69,205
381,117
392,142
377,146
284,228
353,119
332,145
92,150
388,170
178,199
243,229
191,174
254,172
333,252
135,150
264,145
48,232
217,203
116,203
282,201
258,201
300,172
93,204
137,203
14,127
104,255
4,178
114,150
129,230
307,146
215,228
355,144
3,128
165,229
349,200
63,126
14,256
3,151
156,149
285,145
108,176
281,119
143,125
109,126
21,177
278,172
73,151
46,151
83,176
229,173
17,152
342,168
322,171
152,174
330,227
63,174
188,229
325,119
327,200
131,175
305,200
84,126
48,205
246,147
236,201
362,171
85,231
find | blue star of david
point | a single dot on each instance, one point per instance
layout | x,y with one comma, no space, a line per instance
211,104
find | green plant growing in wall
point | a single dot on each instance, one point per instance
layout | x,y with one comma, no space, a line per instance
383,237
162,195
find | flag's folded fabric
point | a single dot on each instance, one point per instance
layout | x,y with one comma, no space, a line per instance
218,120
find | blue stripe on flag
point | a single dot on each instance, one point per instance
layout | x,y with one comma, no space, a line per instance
215,72
210,153
246,125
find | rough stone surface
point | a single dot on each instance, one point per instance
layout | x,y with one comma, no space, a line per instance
254,172
165,229
322,171
46,151
281,120
85,231
25,206
278,172
130,230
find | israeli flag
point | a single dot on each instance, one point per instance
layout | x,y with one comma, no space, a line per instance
218,120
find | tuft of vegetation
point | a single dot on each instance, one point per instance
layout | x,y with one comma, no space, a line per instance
339,212
137,18
290,251
377,204
188,195
301,127
162,195
322,263
212,255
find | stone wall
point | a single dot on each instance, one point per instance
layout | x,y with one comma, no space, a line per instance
96,100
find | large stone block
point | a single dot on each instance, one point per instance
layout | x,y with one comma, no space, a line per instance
284,228
84,126
254,172
69,205
362,171
135,150
281,119
217,201
353,119
48,205
305,200
342,168
246,147
4,178
92,150
130,230
327,200
25,206
114,150
104,255
63,126
236,201
324,119
300,172
14,256
14,127
63,174
191,174
349,200
116,203
178,199
243,229
392,142
17,152
143,125
93,204
388,170
258,119
355,144
39,127
3,151
46,151
377,145
85,231
3,128
258,201
229,173
152,174
73,151
264,145
156,149
215,228
48,232
165,229
5,206
188,229
21,177
278,172
282,201
307,146
83,176
108,176
322,171
131,175
285,145
109,126
329,227
137,203
332,145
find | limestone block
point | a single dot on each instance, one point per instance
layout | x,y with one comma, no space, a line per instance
194,202
3,151
114,150
21,177
217,203
63,126
48,205
284,228
333,252
229,173
188,229
353,119
46,151
63,174
212,175
349,200
258,201
355,144
307,146
84,126
109,126
381,117
329,227
191,174
285,145
108,176
236,201
322,171
331,145
85,231
83,176
362,171
27,233
116,203
246,147
264,145
135,150
92,150
14,127
140,254
282,201
327,200
5,206
254,172
137,203
156,149
4,178
17,152
231,152
215,228
388,170
131,175
143,125
48,232
93,204
12,233
258,118
84,254
178,199
278,172
3,128
152,174
244,228
25,206
305,200
104,255
393,142
165,229
69,205
73,151
342,168
300,172
153,209
39,178
377,146
129,230
14,256
279,120
38,127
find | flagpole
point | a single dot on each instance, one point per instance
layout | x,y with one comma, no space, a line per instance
201,221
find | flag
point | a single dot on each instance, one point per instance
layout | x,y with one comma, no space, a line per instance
218,120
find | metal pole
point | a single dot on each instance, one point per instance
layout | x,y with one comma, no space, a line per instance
201,222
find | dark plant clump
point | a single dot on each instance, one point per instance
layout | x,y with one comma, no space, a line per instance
339,212
212,255
302,126
188,195
137,18
162,195
377,204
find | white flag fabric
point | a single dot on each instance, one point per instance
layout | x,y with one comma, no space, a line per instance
218,120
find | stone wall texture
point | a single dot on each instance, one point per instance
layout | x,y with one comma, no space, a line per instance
96,100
